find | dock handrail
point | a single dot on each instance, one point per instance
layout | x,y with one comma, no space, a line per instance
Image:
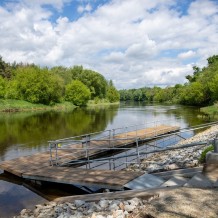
61,151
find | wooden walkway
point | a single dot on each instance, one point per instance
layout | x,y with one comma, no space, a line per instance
105,145
37,166
83,177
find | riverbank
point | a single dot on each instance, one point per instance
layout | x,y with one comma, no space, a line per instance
178,202
10,105
103,102
177,159
211,111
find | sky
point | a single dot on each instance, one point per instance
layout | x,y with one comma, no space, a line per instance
134,43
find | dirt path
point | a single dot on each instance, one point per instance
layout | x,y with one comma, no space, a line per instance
183,202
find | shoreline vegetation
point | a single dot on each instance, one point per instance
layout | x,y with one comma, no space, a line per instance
210,111
50,88
10,105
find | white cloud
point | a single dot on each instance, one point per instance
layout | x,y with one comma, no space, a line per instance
188,54
86,8
135,43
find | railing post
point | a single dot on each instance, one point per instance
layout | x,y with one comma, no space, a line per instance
56,153
136,131
87,148
138,154
215,144
51,159
109,138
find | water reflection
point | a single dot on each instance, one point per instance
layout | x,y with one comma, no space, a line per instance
14,197
26,133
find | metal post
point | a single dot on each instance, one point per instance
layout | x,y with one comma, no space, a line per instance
138,155
109,164
126,159
56,153
136,131
51,161
87,148
109,138
215,144
126,135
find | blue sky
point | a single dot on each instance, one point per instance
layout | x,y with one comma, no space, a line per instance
132,42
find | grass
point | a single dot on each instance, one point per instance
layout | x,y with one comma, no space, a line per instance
11,105
100,102
210,110
202,158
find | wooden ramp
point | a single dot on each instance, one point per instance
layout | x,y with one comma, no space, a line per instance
38,167
101,147
82,177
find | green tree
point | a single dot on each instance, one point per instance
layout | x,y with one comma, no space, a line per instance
5,69
77,93
96,83
62,72
193,94
2,87
38,85
12,90
112,93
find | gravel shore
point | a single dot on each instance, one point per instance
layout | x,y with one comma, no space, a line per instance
177,159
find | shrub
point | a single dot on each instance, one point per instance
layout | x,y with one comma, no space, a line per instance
77,93
202,158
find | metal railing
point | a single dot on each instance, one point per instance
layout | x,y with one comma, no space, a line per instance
87,142
84,150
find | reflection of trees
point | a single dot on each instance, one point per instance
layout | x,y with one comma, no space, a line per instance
33,129
188,114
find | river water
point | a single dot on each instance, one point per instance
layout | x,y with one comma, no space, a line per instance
25,133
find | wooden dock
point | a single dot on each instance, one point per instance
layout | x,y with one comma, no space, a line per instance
37,166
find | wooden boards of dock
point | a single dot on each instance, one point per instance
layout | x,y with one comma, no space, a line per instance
37,166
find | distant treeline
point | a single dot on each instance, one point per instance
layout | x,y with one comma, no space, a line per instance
38,85
201,88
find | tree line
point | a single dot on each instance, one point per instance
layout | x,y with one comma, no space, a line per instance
200,89
41,85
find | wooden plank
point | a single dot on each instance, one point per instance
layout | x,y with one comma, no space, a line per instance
127,194
78,176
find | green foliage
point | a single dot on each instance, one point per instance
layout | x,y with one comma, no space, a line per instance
201,89
31,83
112,94
202,158
19,105
5,69
38,85
93,80
63,73
193,94
77,93
11,90
2,87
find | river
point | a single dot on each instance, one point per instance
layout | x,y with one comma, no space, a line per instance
25,133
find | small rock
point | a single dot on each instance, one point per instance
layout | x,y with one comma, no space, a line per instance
79,203
118,214
100,216
114,207
129,208
103,203
121,206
